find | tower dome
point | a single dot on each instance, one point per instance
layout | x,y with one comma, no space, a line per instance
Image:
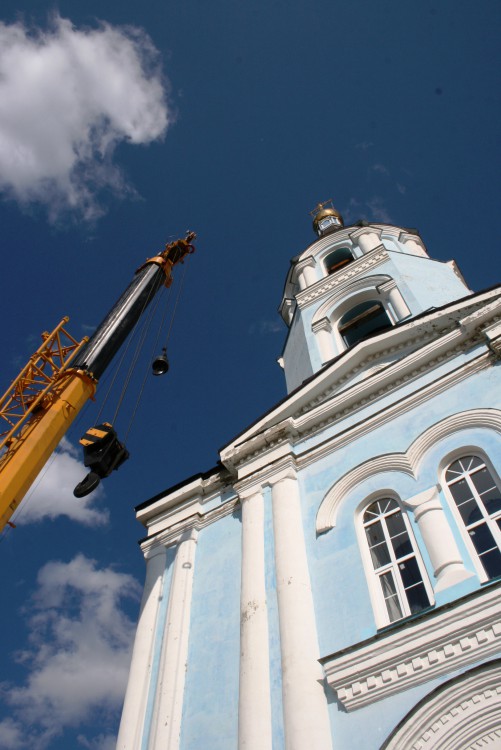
326,218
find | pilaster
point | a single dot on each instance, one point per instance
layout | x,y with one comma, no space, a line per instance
166,723
306,719
254,708
131,725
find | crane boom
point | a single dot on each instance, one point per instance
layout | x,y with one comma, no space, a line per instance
64,388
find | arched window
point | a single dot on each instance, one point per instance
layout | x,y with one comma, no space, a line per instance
399,572
337,259
478,500
362,320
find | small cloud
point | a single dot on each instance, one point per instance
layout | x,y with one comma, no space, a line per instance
380,168
264,327
52,495
77,657
401,188
378,210
364,145
69,97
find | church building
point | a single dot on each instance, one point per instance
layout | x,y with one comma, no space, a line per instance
334,583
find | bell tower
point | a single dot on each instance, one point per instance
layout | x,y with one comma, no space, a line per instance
353,282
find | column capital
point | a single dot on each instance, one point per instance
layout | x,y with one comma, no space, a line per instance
248,488
282,473
424,501
153,550
365,230
323,324
309,261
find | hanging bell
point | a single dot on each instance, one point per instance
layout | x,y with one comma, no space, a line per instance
160,364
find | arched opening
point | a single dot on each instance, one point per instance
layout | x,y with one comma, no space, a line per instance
337,259
364,319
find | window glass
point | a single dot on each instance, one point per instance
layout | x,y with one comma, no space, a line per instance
363,320
478,500
396,568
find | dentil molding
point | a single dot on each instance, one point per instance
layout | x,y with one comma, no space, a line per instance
414,652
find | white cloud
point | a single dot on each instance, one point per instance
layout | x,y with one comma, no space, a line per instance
52,495
68,97
78,655
11,735
378,210
381,169
264,327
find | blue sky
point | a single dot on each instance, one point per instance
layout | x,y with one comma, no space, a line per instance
233,120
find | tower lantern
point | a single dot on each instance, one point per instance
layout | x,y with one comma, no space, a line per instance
326,218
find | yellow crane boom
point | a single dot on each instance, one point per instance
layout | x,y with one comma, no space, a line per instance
62,375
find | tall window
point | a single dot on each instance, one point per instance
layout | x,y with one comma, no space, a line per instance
478,500
400,582
338,258
362,320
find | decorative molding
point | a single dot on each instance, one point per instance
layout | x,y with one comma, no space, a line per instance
465,712
493,337
358,268
478,317
355,288
416,652
176,532
406,462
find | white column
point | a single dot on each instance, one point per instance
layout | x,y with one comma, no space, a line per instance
390,290
448,566
325,339
131,725
306,273
167,714
306,719
254,705
367,238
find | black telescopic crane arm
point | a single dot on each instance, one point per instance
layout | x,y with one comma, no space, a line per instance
116,326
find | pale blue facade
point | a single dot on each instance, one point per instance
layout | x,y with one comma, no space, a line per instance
384,417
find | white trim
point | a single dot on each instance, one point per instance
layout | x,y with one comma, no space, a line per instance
406,462
342,299
427,351
463,713
416,652
351,271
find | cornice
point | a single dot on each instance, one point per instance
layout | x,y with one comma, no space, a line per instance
432,646
433,341
324,411
363,427
359,267
190,524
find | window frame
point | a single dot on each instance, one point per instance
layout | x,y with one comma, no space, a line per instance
447,462
381,613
